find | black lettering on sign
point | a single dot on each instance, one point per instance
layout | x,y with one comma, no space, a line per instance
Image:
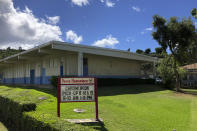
89,97
64,98
88,93
81,97
66,93
84,97
75,92
73,88
84,92
91,92
69,97
75,98
78,93
84,88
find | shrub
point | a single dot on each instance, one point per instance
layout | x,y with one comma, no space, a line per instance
53,81
166,72
11,114
111,81
18,112
118,81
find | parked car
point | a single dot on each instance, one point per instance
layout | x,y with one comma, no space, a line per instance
158,80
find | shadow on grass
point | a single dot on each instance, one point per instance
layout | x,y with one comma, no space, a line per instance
129,89
97,126
45,90
189,91
105,91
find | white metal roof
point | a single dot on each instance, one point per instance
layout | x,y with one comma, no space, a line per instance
87,49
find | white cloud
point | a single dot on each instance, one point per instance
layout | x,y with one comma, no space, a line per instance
72,36
108,3
108,41
80,2
22,28
149,29
53,20
129,39
195,24
135,8
146,30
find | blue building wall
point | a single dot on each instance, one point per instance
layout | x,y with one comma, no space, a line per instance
46,80
26,80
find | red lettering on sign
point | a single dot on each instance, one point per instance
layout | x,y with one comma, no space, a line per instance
65,81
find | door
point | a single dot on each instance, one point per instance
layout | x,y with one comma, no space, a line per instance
1,78
85,66
42,77
25,81
13,80
61,70
32,76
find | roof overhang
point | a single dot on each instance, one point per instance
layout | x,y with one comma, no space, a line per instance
102,51
53,47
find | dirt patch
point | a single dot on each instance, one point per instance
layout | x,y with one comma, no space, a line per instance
185,94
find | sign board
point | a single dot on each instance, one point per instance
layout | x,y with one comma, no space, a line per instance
72,93
77,89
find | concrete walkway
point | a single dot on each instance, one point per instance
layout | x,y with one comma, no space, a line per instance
2,127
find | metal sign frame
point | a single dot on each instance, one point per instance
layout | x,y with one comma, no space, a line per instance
59,94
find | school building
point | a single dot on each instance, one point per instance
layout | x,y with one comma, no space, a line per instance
190,79
36,66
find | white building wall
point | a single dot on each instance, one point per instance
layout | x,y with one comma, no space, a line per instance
97,66
52,65
110,66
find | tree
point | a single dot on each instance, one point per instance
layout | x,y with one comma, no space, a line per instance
194,50
146,67
9,51
139,51
9,48
158,50
166,72
147,51
20,48
178,37
194,13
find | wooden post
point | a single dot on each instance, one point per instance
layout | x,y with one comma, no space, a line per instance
58,97
96,99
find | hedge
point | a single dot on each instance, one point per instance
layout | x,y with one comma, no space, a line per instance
112,81
11,114
20,111
119,82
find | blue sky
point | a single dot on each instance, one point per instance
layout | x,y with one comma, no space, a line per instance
119,24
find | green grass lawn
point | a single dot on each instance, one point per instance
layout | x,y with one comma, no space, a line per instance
135,107
2,127
190,91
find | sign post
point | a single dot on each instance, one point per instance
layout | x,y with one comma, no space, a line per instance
77,89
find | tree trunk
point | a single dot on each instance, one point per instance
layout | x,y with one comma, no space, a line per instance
177,77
